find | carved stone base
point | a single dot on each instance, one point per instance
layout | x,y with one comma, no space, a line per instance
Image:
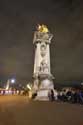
42,95
42,86
46,84
45,87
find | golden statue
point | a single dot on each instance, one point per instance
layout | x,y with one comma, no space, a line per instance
42,28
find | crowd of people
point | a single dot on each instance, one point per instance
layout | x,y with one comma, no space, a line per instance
64,95
71,96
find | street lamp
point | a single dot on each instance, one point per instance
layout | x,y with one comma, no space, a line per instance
12,80
28,86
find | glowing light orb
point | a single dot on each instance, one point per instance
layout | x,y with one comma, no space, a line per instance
12,80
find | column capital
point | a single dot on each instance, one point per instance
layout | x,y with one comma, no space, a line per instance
42,37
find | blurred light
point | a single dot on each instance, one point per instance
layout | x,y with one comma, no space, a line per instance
7,86
12,80
28,86
82,83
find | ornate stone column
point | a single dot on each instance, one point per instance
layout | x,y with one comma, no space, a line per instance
43,79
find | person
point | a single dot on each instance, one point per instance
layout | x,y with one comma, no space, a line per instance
55,95
80,97
68,95
52,95
34,95
49,95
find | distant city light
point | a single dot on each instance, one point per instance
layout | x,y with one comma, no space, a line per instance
82,83
28,86
7,86
12,80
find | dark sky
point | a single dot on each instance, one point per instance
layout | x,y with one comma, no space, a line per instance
18,19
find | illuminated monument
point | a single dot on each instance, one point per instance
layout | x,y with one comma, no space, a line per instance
43,79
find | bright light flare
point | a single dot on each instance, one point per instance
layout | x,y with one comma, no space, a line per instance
28,86
12,80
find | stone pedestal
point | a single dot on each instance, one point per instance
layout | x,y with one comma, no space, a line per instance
46,84
42,94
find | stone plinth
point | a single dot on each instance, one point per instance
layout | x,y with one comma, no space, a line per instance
42,94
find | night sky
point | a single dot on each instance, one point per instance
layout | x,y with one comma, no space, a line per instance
18,19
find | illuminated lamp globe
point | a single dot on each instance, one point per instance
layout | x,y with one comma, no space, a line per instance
12,80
